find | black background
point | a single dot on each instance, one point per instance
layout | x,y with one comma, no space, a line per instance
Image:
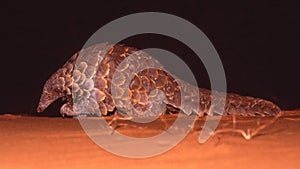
257,40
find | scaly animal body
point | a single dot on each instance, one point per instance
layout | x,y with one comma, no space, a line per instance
84,78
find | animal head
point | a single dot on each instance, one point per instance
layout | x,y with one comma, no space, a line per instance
59,85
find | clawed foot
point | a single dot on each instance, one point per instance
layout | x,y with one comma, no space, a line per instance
118,121
67,110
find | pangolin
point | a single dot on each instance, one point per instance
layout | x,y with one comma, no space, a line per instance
98,87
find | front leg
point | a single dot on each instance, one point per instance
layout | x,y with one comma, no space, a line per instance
67,110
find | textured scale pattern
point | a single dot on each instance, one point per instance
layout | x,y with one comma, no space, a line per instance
92,77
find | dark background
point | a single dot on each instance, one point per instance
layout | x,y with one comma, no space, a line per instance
257,40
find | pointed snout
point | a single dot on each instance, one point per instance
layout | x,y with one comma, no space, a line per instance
49,95
44,102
